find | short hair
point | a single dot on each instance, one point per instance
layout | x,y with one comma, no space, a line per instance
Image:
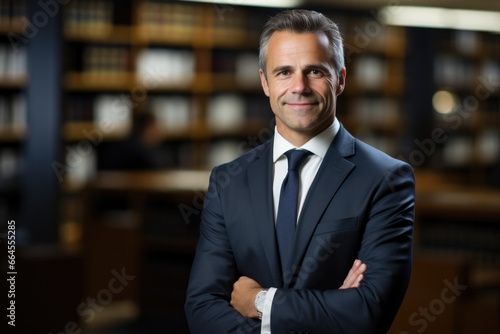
303,21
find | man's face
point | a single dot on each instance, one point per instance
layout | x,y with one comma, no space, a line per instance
302,84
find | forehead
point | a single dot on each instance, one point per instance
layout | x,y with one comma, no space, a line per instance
283,44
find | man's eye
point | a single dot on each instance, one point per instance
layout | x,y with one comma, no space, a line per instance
316,72
284,73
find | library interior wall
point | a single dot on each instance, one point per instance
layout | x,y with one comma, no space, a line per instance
89,70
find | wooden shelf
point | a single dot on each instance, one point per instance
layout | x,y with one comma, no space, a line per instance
75,131
174,181
204,83
228,82
391,86
12,82
12,26
460,203
106,34
10,134
102,81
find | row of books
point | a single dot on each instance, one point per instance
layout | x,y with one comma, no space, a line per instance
12,112
10,163
376,111
470,43
163,66
82,167
474,242
173,112
176,20
370,71
106,60
155,67
13,62
454,71
88,16
11,12
158,19
107,110
464,151
369,34
245,66
224,111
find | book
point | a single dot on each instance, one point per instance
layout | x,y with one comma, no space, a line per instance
226,111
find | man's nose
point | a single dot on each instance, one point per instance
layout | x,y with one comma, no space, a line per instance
300,84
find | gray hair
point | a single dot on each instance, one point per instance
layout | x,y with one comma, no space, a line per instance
303,21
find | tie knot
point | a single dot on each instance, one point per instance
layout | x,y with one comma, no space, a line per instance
296,158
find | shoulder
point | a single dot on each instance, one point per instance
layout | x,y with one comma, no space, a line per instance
368,158
245,160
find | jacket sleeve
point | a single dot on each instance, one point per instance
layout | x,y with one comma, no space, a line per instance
386,248
213,274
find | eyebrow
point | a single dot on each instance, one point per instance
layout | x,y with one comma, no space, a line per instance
281,68
306,68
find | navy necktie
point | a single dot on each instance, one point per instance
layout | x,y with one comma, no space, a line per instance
288,205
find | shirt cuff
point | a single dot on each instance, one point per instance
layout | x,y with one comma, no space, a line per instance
265,327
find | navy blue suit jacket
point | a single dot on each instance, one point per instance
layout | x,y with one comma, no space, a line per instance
360,205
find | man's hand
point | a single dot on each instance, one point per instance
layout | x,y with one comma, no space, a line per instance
355,275
246,289
243,296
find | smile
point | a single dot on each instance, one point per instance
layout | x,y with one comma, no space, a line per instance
301,105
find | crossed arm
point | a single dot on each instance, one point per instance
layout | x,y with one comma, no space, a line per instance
215,304
245,290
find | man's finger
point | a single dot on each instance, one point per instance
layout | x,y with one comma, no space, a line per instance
355,275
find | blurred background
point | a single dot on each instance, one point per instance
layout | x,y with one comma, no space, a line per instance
112,114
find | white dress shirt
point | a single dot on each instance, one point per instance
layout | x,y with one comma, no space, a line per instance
318,146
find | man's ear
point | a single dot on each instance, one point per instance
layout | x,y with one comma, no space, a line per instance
263,82
341,81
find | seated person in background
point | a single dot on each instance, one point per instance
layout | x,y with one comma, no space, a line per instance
140,151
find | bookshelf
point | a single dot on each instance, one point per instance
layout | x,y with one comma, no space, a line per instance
467,69
194,66
13,76
178,61
371,106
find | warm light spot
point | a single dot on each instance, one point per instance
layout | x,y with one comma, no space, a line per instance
444,102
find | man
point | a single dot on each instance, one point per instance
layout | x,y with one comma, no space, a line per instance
254,271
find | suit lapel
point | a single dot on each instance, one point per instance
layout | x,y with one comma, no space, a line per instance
260,181
333,171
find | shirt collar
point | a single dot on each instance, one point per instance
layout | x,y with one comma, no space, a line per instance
318,145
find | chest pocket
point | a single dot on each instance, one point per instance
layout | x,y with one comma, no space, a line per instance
337,225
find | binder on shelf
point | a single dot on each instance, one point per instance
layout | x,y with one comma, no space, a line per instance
377,112
9,163
370,71
223,151
13,113
113,113
162,67
167,21
226,112
488,146
247,70
105,60
89,17
11,13
81,165
458,151
173,113
13,63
